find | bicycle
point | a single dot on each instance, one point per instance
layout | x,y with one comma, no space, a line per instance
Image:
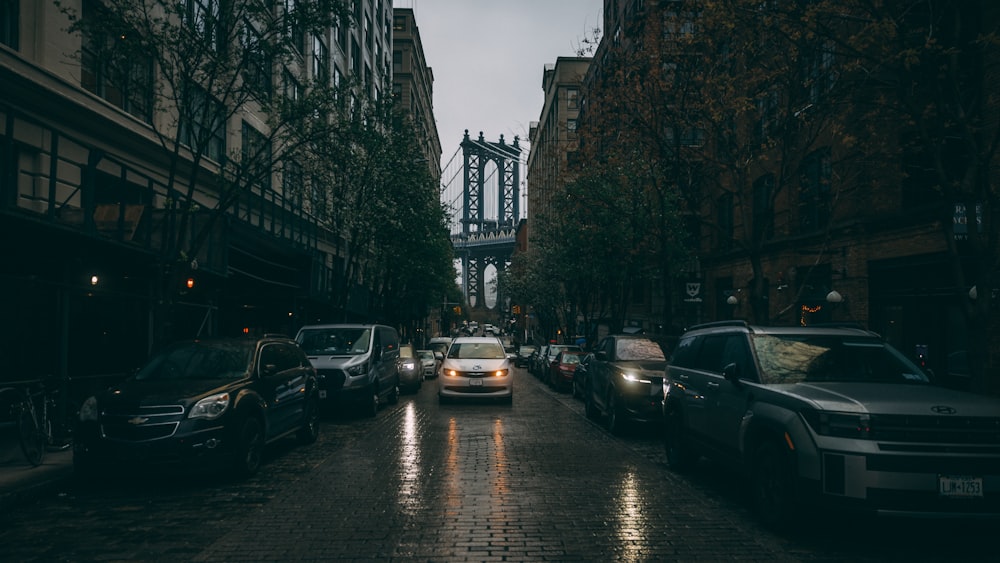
31,430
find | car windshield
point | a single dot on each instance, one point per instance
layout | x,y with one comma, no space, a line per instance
200,360
526,350
406,352
477,350
571,358
336,341
638,349
426,354
806,358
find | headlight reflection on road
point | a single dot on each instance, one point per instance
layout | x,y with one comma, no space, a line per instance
630,526
409,463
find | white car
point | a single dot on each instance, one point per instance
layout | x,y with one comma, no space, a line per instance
476,367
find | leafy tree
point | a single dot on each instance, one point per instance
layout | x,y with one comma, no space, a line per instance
192,70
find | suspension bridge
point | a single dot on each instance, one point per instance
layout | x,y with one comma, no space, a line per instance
482,194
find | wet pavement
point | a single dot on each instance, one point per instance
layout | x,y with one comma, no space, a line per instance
532,481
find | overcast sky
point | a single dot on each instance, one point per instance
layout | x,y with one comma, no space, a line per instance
488,57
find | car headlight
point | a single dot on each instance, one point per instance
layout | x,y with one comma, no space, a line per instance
357,370
88,410
500,373
408,365
839,424
451,372
210,407
633,378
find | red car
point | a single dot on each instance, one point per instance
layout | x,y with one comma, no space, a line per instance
562,369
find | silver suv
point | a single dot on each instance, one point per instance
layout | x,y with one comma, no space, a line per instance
829,416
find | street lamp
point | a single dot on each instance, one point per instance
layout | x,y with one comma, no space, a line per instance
834,297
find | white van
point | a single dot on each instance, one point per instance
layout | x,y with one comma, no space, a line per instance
356,364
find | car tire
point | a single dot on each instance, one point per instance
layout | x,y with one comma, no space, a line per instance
394,394
774,495
617,421
681,456
309,431
249,448
371,409
593,413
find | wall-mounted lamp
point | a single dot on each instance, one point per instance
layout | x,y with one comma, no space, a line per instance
973,293
732,300
94,279
834,297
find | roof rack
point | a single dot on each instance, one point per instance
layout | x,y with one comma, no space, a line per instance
740,323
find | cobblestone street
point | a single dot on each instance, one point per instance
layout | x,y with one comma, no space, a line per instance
535,481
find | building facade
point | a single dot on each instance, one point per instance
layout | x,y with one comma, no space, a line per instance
90,202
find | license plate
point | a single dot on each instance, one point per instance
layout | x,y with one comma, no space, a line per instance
475,382
322,394
960,486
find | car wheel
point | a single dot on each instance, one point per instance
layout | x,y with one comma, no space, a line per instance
773,487
309,431
394,394
371,409
249,448
616,418
681,456
593,413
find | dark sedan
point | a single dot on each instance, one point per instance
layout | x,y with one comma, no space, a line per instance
202,403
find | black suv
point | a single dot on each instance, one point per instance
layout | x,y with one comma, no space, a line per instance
829,416
624,381
200,402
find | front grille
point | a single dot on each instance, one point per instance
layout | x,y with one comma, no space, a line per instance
936,429
142,424
331,379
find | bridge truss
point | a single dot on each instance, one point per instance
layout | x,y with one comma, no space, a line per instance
484,235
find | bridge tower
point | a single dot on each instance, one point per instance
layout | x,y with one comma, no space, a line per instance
486,240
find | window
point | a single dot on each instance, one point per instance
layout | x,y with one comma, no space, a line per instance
818,72
204,20
9,21
321,61
258,62
295,28
117,70
724,218
203,124
767,109
293,182
257,156
397,62
573,98
763,210
399,23
290,87
814,191
571,127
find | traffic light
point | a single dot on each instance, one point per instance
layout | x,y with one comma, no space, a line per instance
457,309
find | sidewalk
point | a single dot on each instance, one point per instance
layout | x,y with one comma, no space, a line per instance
19,481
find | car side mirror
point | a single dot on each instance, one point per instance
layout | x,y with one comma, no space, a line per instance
267,370
731,372
438,356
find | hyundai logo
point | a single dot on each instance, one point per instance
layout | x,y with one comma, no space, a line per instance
943,409
477,366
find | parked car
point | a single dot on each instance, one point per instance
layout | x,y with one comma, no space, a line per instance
829,417
625,381
411,369
563,369
548,359
203,403
524,355
476,367
428,363
580,376
439,344
537,361
356,364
